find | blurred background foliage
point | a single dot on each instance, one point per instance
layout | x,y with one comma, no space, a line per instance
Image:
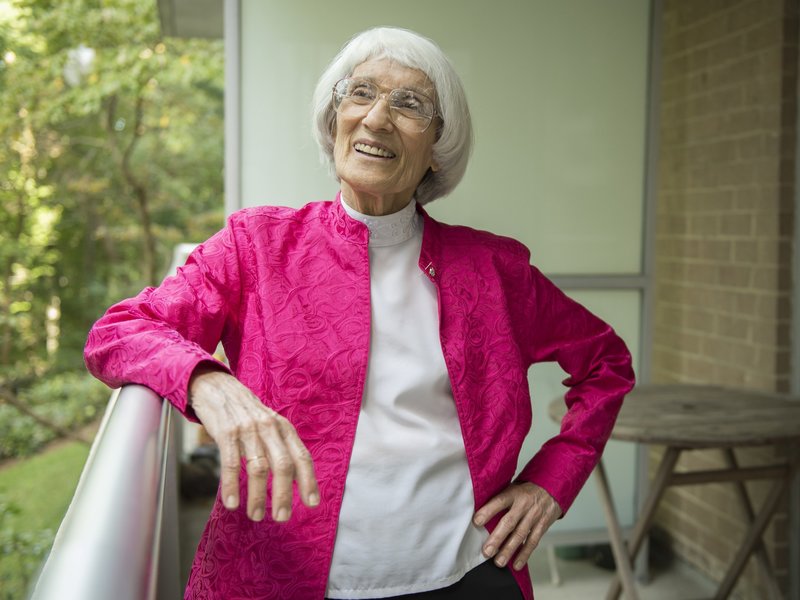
112,153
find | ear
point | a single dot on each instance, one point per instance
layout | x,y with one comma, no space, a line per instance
435,166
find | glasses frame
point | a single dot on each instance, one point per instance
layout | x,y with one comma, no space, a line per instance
384,94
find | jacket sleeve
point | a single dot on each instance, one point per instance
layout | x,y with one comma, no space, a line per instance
157,338
600,374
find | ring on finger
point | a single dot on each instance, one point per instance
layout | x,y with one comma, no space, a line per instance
526,536
252,458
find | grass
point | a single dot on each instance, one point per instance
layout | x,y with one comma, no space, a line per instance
42,485
39,490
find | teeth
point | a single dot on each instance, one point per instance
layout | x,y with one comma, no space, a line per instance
373,151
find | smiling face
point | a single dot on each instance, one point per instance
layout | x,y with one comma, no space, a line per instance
379,164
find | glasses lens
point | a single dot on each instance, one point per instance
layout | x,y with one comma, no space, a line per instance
410,110
354,95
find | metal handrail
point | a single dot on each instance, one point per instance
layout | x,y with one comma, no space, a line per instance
109,543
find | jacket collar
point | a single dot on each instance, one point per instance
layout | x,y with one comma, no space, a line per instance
350,229
389,230
356,232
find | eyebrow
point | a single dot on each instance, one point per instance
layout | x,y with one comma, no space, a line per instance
420,90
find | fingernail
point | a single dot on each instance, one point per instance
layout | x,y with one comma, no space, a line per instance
488,551
518,565
501,561
478,520
230,502
283,515
258,515
313,499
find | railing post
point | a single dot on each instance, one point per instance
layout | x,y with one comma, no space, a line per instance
108,543
169,584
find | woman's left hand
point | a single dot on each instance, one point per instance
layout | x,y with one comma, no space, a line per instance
531,511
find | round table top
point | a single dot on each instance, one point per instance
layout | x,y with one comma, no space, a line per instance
699,416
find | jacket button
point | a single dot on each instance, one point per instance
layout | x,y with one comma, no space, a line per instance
431,271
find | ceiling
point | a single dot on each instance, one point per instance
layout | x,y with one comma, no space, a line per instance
191,18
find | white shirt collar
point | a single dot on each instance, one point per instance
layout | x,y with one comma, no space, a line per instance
388,230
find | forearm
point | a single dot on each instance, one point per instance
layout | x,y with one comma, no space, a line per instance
594,399
130,345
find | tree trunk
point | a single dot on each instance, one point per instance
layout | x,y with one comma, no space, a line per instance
11,399
6,298
140,192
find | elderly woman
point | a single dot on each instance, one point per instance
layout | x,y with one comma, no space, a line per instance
378,362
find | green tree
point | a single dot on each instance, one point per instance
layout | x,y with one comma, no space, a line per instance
113,155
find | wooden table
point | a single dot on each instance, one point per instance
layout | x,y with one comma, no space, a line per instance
689,417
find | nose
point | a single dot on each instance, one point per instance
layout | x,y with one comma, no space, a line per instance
378,117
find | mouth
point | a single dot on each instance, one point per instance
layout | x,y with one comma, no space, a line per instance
371,150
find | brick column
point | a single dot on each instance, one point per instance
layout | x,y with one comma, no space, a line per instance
725,214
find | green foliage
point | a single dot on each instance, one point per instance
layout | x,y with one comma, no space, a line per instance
21,552
68,400
107,166
28,517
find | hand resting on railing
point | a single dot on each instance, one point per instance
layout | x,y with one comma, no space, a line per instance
243,427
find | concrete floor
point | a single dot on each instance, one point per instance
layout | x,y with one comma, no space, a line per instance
193,517
580,579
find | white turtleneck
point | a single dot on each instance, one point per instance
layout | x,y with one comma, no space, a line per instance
406,519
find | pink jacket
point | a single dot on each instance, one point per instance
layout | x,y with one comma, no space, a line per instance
288,293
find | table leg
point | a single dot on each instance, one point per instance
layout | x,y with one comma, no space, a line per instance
642,526
751,539
747,508
756,530
615,534
555,576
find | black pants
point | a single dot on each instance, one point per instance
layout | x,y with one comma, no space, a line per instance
484,582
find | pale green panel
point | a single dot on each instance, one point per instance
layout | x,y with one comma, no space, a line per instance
285,48
622,310
558,96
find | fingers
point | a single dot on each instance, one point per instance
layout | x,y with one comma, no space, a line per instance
283,470
288,460
500,502
304,467
257,469
521,559
275,448
530,512
511,533
244,428
229,472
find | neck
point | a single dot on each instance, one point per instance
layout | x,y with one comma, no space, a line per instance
373,205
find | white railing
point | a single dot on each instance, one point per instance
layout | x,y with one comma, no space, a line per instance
119,538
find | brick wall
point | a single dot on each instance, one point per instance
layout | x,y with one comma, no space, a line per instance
723,242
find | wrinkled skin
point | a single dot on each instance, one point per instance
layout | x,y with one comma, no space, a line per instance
531,512
243,427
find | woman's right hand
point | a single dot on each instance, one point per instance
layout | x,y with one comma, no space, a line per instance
243,427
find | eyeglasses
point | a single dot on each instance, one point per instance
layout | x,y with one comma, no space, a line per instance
409,110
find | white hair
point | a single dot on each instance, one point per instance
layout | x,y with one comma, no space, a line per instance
454,134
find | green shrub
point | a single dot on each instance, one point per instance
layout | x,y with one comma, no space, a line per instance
69,400
21,552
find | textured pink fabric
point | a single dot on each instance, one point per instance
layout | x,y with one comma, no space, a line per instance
287,292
